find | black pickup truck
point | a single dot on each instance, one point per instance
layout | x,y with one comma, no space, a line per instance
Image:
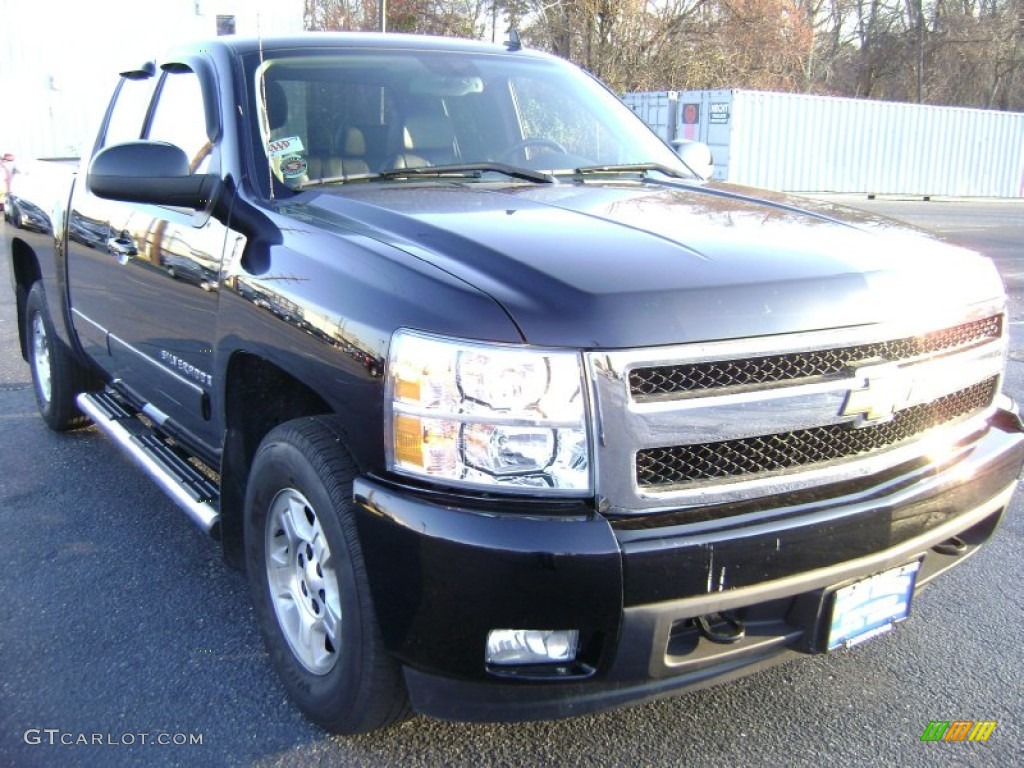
508,413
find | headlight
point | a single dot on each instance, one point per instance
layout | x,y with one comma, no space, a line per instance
486,416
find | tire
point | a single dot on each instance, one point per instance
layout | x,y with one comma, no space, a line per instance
309,585
57,377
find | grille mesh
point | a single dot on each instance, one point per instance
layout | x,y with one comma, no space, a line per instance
801,448
695,377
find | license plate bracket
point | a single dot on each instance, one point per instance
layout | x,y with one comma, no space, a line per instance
871,606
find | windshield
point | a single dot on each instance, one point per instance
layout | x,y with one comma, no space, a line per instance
337,115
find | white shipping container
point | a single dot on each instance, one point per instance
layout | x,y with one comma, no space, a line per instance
659,109
802,143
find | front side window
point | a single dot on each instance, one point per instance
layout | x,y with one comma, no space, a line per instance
180,119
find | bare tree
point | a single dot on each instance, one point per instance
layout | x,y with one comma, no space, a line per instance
454,18
338,15
968,52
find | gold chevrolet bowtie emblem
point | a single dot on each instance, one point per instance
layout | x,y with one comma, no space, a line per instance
885,391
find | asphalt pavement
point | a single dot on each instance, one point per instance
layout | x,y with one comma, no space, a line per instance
118,619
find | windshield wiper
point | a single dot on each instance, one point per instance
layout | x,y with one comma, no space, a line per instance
463,171
630,168
332,180
472,170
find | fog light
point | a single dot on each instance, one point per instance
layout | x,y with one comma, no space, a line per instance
531,646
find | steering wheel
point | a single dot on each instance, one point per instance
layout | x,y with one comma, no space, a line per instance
534,141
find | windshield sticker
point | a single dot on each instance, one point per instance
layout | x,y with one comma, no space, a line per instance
282,146
293,166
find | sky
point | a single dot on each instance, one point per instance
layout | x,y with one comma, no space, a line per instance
59,60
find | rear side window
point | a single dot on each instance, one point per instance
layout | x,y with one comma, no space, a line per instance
129,113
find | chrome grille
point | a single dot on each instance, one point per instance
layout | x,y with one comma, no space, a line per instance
664,380
803,408
803,448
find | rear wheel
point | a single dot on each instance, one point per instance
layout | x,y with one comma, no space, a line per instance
57,377
309,585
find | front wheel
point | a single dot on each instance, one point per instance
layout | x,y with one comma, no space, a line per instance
57,377
309,585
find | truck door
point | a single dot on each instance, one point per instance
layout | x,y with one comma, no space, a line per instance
94,257
159,281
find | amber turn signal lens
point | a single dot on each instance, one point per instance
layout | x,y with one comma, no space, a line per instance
409,439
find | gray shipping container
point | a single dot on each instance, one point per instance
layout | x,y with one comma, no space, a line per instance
802,143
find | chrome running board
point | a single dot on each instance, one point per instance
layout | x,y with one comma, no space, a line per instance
196,494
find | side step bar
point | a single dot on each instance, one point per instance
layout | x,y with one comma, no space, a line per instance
191,490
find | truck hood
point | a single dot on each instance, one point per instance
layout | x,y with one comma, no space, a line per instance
611,265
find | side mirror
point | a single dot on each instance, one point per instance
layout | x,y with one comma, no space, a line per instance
697,157
150,172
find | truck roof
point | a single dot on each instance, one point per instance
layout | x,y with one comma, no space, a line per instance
245,44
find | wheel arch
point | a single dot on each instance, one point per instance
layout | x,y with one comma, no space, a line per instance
258,396
25,272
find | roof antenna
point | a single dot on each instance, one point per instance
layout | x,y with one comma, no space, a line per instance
263,105
513,43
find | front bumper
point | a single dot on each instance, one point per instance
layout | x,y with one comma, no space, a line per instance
443,575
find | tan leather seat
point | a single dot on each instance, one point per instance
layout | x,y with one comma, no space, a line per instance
321,159
349,158
353,151
324,167
428,140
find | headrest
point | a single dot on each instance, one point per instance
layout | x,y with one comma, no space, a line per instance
428,132
354,143
277,104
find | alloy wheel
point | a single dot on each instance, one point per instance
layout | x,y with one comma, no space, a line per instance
41,357
302,581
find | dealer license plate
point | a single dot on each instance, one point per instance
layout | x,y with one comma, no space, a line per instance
871,606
